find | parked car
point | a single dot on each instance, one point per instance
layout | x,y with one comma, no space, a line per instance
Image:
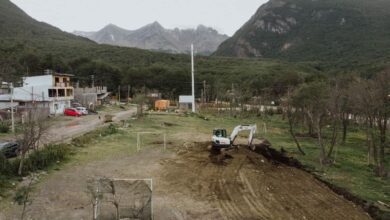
76,104
9,148
83,110
72,112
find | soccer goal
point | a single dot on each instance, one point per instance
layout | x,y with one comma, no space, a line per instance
141,136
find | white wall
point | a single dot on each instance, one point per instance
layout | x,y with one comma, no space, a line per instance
45,80
31,93
41,93
58,107
37,93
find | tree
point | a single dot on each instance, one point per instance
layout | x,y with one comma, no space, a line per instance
320,103
30,62
292,116
382,106
370,99
140,99
32,132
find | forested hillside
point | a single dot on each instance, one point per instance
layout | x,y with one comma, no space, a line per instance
28,47
343,32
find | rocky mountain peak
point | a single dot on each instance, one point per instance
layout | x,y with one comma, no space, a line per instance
313,30
155,37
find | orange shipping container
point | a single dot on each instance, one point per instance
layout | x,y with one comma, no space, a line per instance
161,105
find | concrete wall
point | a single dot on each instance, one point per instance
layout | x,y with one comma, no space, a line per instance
38,80
58,107
47,80
39,93
97,89
88,100
42,109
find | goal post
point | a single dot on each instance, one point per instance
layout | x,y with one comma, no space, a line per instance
140,134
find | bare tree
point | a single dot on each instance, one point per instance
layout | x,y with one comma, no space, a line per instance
370,101
382,86
32,132
26,200
291,114
320,103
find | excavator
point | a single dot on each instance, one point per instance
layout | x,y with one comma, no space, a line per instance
220,138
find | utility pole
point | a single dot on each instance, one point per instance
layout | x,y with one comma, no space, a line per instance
12,108
128,93
93,80
32,95
204,91
119,94
193,78
232,94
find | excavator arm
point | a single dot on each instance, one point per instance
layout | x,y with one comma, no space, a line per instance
237,129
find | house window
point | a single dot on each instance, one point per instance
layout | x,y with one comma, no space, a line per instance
61,93
52,92
56,107
69,92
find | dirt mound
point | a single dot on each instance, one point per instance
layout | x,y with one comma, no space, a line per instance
277,157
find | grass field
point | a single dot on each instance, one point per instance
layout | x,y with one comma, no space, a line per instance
350,171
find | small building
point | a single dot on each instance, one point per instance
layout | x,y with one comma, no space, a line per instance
185,102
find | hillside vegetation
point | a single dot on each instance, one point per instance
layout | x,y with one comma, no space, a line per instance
344,32
28,47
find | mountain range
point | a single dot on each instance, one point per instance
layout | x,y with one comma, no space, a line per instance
344,31
155,37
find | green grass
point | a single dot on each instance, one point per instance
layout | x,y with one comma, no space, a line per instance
350,171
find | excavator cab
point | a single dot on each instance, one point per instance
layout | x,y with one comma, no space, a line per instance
220,132
220,138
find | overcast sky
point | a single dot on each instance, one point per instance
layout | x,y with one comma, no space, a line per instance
227,16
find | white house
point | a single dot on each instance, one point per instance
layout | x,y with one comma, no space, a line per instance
53,89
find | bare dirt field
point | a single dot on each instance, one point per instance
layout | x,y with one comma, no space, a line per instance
188,184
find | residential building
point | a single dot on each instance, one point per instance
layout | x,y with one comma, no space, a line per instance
52,91
91,97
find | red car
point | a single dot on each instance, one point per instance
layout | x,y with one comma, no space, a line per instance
72,112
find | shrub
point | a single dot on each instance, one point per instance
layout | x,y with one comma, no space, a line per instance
111,129
82,140
45,157
5,166
4,127
21,195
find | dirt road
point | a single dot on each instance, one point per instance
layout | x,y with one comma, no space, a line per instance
77,126
188,185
